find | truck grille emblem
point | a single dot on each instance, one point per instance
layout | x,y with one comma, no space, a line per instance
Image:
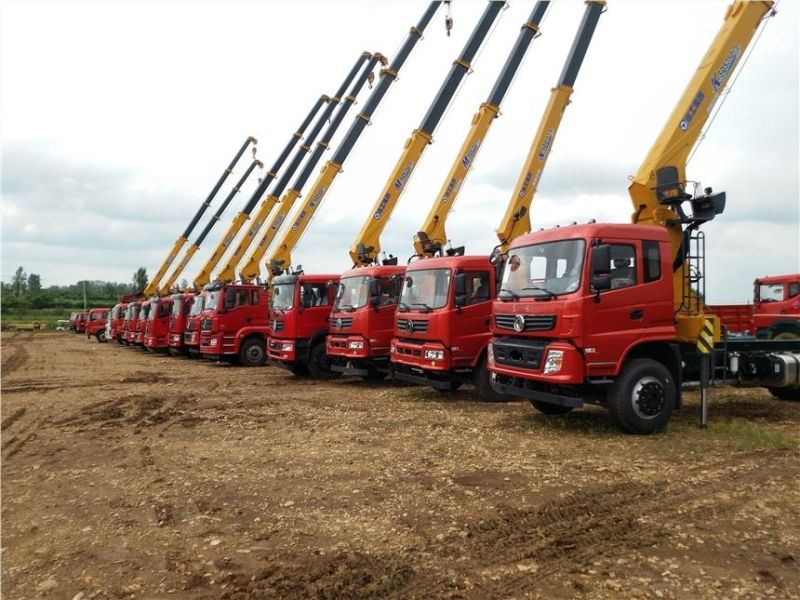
338,323
519,323
409,326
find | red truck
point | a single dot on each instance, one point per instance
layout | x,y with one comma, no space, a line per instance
191,334
299,310
774,314
138,326
234,324
442,327
129,322
156,329
181,307
361,324
79,325
96,323
116,319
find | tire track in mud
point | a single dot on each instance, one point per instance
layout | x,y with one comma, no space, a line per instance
136,410
20,355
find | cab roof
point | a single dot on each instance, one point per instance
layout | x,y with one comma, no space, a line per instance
628,231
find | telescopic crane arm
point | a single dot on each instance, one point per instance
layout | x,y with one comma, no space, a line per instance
516,220
170,281
657,190
228,272
152,286
432,238
367,246
280,259
251,269
204,277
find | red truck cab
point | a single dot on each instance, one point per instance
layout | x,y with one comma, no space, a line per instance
141,323
234,325
80,322
96,323
361,324
774,314
559,340
156,332
191,335
179,315
300,306
129,322
117,316
442,325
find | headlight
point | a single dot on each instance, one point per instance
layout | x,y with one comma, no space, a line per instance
434,355
490,354
287,347
553,362
356,345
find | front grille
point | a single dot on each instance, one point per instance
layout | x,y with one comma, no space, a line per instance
417,326
276,325
525,354
532,322
403,351
205,325
341,323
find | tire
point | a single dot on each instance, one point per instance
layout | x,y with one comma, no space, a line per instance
176,352
789,394
253,353
786,335
298,370
454,387
548,408
101,336
483,385
374,375
119,341
642,397
319,365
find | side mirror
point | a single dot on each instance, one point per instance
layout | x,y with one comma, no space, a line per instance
374,290
601,267
230,298
460,289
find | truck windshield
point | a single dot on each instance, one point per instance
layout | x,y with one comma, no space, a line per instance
426,289
177,303
547,269
212,299
197,305
282,296
352,292
144,313
771,292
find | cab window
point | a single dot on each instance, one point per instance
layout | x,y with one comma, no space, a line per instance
389,290
478,287
314,294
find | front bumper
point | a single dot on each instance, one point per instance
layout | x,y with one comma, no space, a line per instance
175,340
191,338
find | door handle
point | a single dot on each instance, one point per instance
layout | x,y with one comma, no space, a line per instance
637,314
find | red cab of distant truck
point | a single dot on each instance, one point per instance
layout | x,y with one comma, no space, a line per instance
96,323
115,324
234,324
361,324
80,322
141,323
156,329
300,306
191,334
179,315
774,314
129,322
442,327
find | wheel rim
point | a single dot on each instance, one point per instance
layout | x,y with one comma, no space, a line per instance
647,398
324,362
255,353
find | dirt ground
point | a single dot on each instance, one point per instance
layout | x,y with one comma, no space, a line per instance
127,474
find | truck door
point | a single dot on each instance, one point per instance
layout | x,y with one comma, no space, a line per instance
614,319
473,328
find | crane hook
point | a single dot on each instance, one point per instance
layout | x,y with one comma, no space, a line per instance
448,19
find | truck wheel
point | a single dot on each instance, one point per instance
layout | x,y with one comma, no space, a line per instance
786,335
252,353
319,364
374,375
101,336
642,397
792,394
483,385
298,370
548,408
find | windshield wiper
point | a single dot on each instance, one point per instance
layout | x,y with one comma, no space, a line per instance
346,307
403,307
423,305
546,291
512,295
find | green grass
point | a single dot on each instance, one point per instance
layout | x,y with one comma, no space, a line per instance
48,316
751,436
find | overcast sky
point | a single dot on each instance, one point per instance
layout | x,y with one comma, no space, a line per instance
118,117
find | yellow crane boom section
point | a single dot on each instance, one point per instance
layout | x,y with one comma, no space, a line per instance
681,132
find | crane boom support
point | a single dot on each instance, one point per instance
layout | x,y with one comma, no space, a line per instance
680,135
367,247
228,272
152,286
432,237
204,277
516,219
170,281
281,257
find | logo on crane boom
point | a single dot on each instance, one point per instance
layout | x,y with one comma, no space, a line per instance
546,143
727,66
